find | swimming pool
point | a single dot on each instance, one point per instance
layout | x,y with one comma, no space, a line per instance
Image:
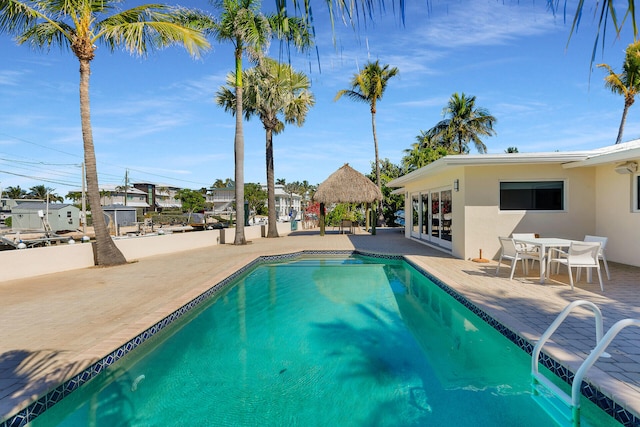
317,341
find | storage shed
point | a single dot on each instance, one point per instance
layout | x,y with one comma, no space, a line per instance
32,215
119,216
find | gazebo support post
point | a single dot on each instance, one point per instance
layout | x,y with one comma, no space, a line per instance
374,218
322,219
367,212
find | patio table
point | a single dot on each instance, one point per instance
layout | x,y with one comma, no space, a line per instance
544,244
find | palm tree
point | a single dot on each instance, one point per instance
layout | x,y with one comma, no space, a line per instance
368,86
243,25
79,25
465,124
272,90
627,83
40,192
15,192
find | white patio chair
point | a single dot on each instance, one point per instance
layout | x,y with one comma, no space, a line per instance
529,248
524,246
511,252
603,244
579,255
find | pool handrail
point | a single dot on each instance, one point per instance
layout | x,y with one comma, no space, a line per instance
602,342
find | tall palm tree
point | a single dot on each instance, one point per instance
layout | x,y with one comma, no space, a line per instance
79,25
249,31
272,90
368,86
627,83
243,25
465,124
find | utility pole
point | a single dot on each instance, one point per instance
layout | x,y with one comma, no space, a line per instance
126,185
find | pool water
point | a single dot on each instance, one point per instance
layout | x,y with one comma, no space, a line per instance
354,341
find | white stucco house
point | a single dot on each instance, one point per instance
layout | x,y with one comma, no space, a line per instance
286,203
463,203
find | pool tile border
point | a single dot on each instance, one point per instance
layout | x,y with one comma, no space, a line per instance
39,406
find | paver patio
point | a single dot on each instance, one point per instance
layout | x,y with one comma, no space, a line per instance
54,326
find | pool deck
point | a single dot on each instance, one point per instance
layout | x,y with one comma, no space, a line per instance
54,326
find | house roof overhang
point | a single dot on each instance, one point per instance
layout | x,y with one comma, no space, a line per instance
568,159
487,160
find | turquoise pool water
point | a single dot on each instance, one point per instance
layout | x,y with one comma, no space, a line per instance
354,341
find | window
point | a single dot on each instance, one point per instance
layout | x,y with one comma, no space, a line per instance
534,196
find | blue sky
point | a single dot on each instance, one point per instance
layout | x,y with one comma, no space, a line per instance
156,117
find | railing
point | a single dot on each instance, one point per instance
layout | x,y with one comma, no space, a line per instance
602,342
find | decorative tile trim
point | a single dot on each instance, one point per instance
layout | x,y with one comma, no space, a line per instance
34,409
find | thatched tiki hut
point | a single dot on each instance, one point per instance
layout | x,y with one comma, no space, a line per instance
346,185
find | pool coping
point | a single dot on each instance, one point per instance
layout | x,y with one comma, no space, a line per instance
55,395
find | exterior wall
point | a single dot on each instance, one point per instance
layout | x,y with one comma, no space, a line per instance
615,216
23,263
485,222
59,219
477,221
442,180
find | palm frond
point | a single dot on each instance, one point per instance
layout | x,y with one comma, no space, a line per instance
47,34
142,29
17,16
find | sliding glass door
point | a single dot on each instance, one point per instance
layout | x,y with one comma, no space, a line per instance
432,216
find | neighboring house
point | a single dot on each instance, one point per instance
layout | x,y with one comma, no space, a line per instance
117,195
286,203
463,203
5,208
222,199
161,196
29,215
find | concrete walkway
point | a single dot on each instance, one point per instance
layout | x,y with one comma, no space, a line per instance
54,326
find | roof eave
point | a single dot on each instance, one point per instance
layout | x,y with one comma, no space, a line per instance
488,160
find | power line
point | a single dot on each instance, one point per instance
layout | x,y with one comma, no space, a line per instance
68,184
36,144
170,178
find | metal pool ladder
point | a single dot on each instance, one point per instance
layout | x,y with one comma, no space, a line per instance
565,409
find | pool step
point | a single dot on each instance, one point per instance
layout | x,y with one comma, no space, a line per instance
547,396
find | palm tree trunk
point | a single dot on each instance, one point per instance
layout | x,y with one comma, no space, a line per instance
623,121
379,218
106,253
375,145
271,189
239,155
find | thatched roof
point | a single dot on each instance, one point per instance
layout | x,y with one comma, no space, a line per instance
347,185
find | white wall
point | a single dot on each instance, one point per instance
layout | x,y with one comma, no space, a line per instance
20,264
615,217
485,222
478,221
